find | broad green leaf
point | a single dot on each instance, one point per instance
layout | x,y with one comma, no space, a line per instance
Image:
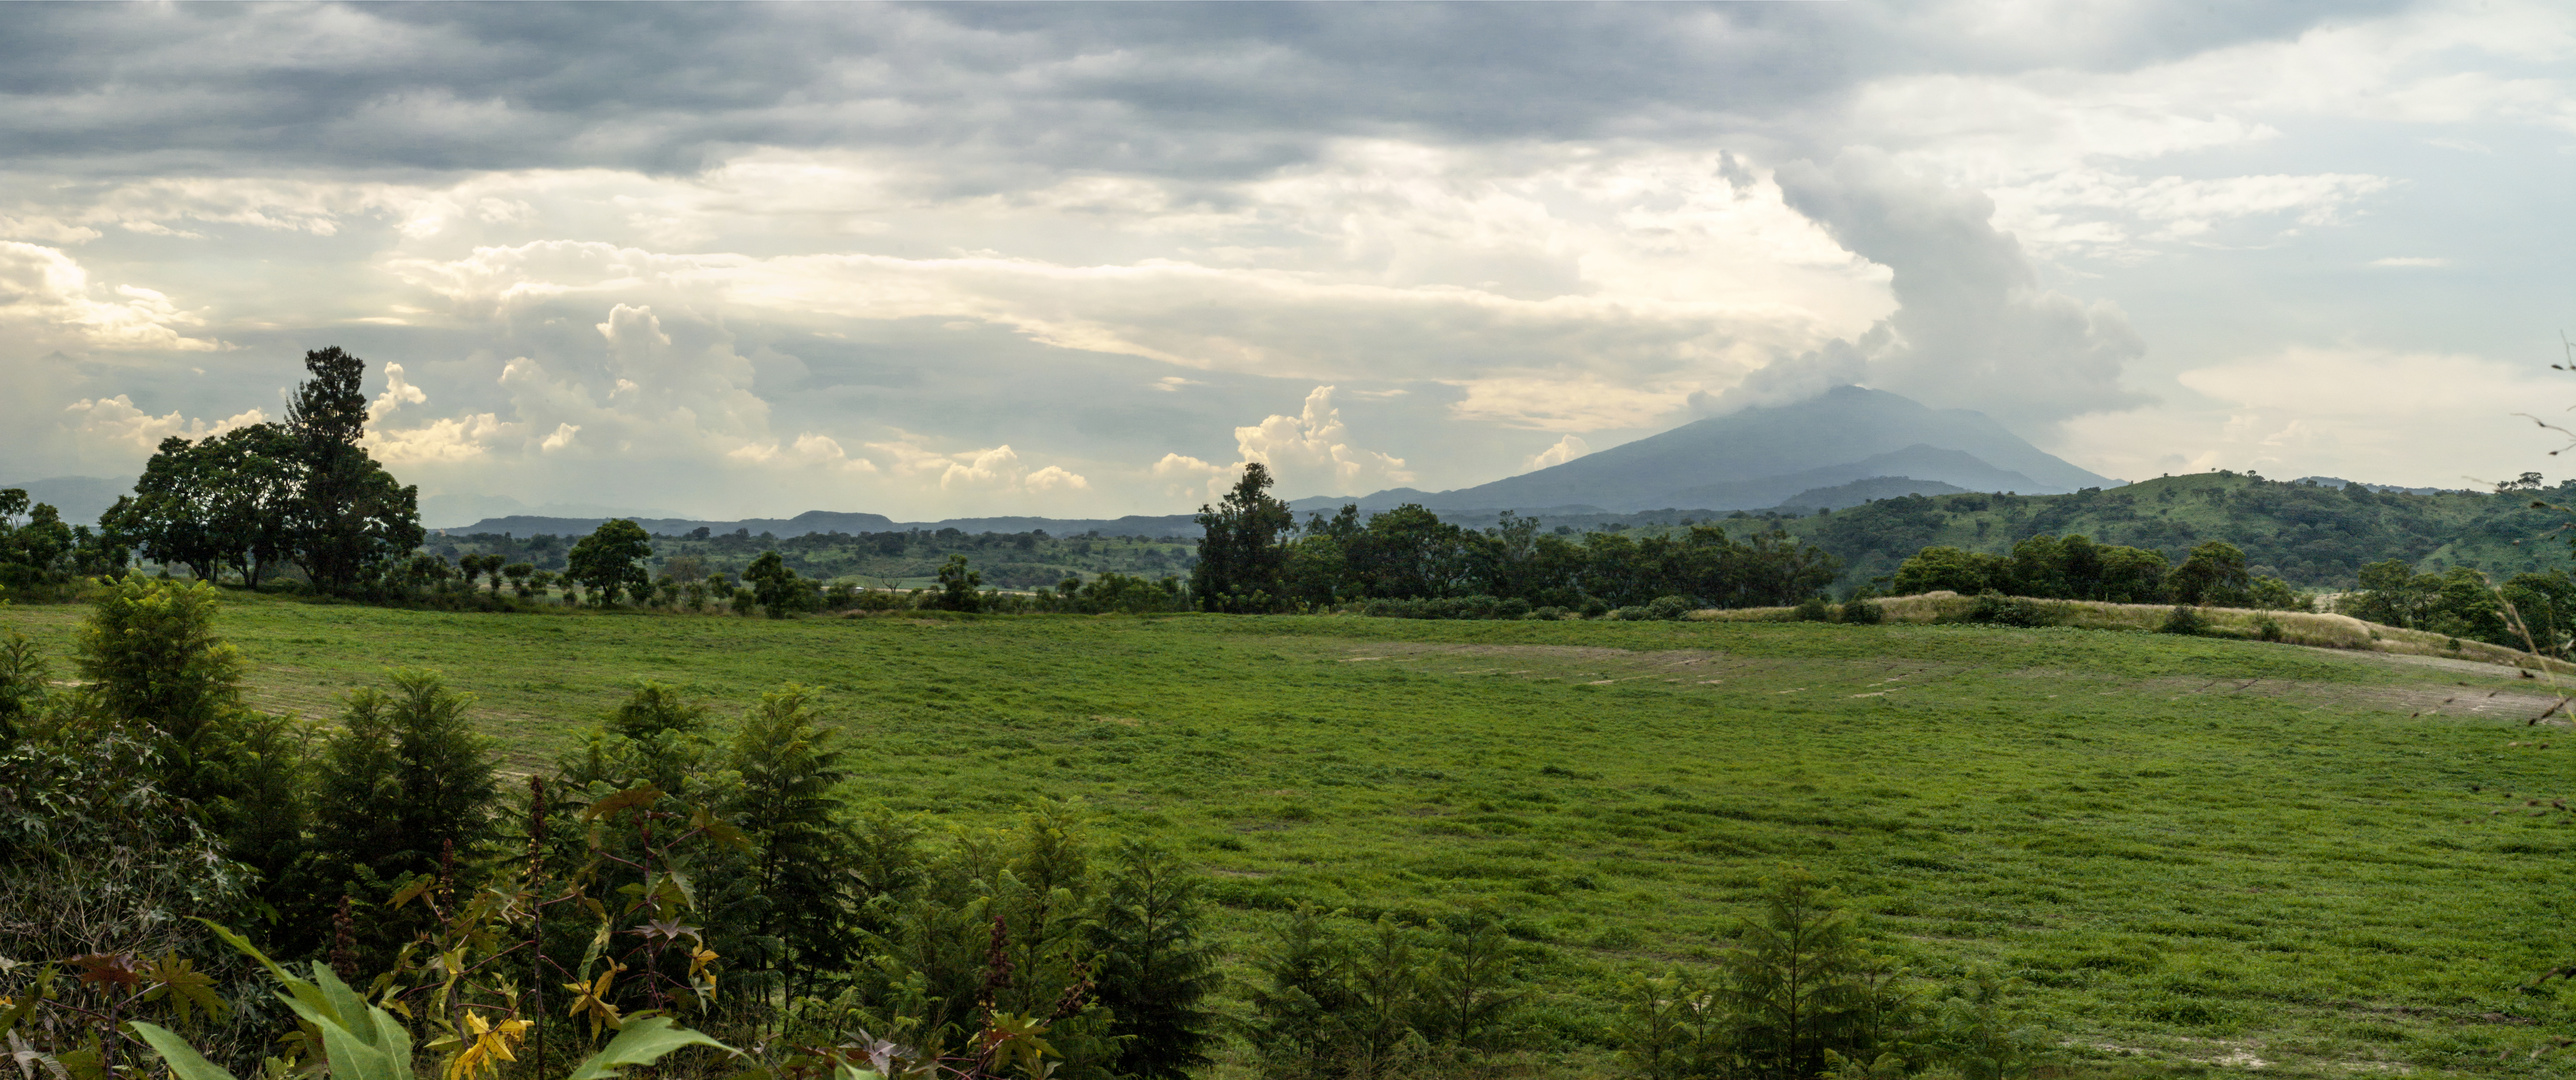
184,1061
642,1042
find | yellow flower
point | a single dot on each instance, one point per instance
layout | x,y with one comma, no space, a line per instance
489,1046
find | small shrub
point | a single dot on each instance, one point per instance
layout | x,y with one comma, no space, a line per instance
2268,628
1996,609
2185,619
1858,611
1814,609
1595,608
1670,607
1550,613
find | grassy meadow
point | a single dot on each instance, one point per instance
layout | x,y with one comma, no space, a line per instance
2203,855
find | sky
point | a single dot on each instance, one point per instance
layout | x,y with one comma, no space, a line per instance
1076,260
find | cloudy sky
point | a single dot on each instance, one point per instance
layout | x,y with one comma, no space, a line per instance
1059,259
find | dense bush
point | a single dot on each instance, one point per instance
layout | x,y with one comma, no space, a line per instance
2076,568
1996,609
2536,611
1455,607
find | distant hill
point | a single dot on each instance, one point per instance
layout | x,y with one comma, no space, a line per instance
1861,492
1757,458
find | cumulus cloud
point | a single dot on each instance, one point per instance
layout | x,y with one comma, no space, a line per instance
1310,453
1973,327
118,429
398,392
1307,454
1565,450
45,294
994,470
809,449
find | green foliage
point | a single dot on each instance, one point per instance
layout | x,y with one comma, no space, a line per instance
610,561
402,787
362,1041
1243,552
1157,970
779,590
1302,993
24,687
225,502
40,555
786,801
2531,611
1996,609
957,585
2215,575
350,519
2310,535
151,662
2186,620
1814,609
1947,568
1799,985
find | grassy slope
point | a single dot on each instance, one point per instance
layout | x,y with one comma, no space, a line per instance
2193,848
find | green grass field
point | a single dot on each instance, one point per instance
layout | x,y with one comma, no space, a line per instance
2202,854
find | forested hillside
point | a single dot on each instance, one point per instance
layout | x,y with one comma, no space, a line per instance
2307,534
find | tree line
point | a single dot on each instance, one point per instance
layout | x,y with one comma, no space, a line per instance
2073,567
1255,557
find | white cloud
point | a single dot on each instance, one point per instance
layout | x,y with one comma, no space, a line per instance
994,470
45,230
115,426
1184,476
398,392
809,450
1565,450
1308,454
45,294
447,440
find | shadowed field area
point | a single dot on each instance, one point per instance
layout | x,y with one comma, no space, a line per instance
2198,852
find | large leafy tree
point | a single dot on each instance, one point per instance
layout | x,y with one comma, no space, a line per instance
350,517
223,502
1243,551
611,560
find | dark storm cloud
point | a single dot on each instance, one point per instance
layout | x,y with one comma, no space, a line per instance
1215,90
